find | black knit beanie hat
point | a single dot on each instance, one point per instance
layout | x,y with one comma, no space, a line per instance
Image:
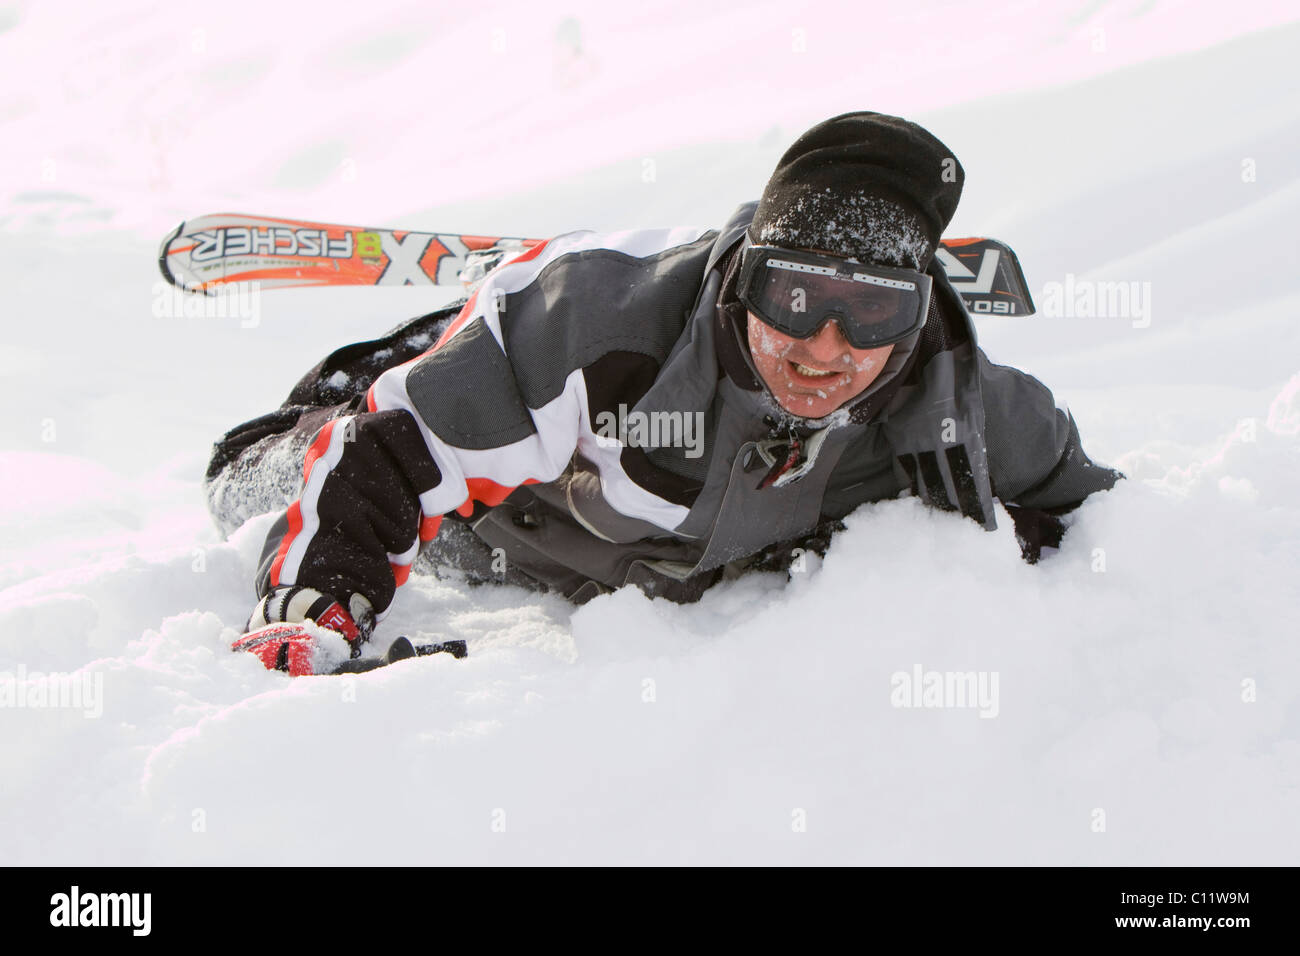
867,186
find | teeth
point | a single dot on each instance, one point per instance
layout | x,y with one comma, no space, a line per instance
815,373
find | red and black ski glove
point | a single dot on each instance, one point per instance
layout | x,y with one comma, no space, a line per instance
291,629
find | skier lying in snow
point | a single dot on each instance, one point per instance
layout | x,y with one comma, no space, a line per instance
655,407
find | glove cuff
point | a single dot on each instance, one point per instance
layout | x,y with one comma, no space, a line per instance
293,604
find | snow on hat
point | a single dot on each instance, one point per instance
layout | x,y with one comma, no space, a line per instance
862,185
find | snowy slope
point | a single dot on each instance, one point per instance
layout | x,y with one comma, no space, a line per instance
1149,670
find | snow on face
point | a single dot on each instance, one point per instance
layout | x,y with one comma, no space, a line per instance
814,376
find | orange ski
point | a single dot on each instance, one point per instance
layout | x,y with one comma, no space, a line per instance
204,254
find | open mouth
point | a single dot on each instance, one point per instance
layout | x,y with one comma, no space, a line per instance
808,373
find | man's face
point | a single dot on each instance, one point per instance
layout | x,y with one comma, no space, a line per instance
814,376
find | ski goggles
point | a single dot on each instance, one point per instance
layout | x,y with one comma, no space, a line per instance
795,293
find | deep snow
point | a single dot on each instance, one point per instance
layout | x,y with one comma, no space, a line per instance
1148,670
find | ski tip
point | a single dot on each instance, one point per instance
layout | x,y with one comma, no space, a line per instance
163,251
400,650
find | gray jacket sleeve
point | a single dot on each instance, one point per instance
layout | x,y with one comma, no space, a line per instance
1035,458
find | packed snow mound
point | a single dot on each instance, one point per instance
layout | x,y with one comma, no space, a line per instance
1140,671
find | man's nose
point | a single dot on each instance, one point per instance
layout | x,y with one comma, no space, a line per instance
828,342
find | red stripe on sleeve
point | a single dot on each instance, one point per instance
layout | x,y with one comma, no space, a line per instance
488,492
468,309
429,527
294,514
532,253
318,448
457,323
